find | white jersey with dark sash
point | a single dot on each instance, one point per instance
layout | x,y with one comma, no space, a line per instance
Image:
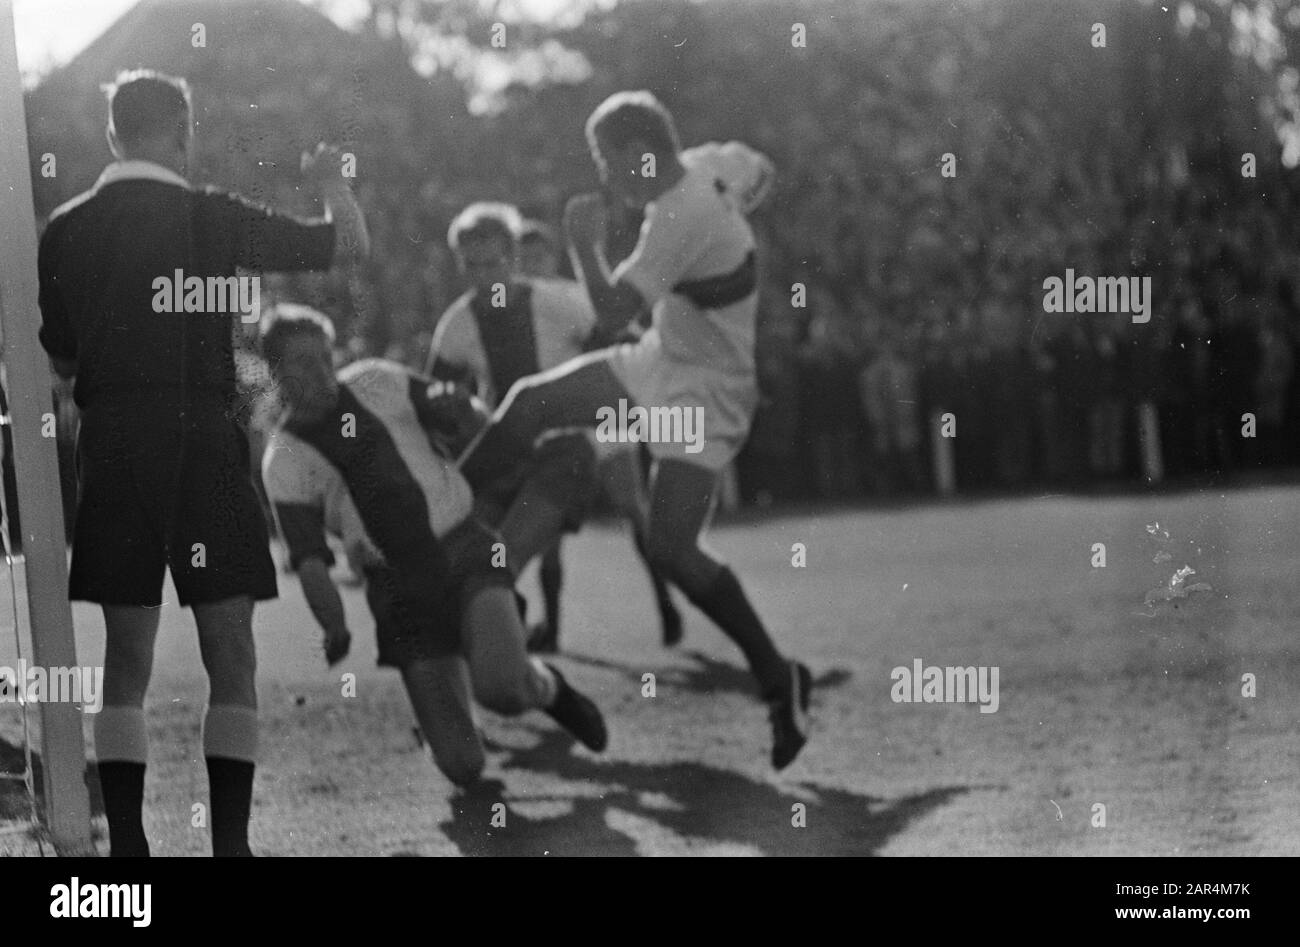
367,471
694,264
543,323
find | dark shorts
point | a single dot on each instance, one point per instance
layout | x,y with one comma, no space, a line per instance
158,490
562,469
420,603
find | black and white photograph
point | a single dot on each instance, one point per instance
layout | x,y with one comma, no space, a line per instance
652,428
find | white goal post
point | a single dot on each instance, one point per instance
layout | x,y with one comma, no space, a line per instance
63,749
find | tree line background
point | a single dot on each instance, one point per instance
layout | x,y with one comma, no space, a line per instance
1122,160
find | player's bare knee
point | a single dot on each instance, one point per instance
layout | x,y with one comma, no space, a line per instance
233,658
232,671
226,642
127,672
128,663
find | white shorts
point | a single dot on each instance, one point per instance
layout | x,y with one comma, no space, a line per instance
725,404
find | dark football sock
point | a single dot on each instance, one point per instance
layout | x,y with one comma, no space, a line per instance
230,785
726,604
552,576
122,784
668,614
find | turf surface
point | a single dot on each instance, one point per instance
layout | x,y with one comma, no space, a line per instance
1104,699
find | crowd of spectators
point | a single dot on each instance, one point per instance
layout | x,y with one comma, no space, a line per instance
856,407
926,185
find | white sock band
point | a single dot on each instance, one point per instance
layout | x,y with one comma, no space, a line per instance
230,731
120,735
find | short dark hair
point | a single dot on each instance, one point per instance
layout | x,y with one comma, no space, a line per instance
144,104
534,231
485,220
286,319
626,117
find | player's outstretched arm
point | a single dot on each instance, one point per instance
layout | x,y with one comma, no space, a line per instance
616,303
324,168
323,599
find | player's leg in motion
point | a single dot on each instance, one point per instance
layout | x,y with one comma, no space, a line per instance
439,690
625,486
559,478
121,740
551,573
506,680
566,396
681,496
230,724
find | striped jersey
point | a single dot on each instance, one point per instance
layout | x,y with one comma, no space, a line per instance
543,323
366,472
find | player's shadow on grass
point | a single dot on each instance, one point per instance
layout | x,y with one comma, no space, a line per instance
706,675
692,802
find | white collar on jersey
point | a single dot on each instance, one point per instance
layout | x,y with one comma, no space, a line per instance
137,170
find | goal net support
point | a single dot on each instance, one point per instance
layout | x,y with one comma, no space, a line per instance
63,750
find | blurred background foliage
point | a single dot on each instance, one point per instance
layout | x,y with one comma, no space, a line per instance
1109,160
1122,160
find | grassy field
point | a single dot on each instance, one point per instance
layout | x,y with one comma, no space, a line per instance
1103,699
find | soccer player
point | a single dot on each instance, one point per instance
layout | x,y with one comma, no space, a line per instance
165,478
355,455
618,469
539,252
694,265
539,259
500,330
543,321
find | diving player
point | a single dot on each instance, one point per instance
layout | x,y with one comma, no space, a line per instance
357,450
